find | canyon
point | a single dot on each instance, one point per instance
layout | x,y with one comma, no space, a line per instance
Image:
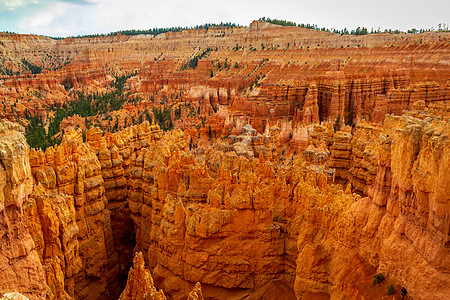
259,162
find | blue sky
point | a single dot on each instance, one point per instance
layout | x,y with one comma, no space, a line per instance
74,17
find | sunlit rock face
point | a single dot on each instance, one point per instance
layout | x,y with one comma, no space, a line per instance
17,249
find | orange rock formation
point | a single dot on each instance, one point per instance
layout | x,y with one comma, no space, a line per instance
289,168
232,221
140,283
17,250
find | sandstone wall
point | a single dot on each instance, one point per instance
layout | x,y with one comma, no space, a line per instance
75,233
20,267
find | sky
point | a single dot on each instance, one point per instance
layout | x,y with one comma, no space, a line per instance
77,17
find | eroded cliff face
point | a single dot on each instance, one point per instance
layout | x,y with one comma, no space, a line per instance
20,267
230,215
418,203
397,228
70,198
210,209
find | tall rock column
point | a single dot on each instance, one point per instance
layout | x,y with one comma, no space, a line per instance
115,184
20,267
75,223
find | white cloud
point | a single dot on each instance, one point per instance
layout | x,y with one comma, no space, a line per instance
65,18
45,20
15,4
73,17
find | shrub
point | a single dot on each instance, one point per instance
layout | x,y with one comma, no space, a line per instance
336,127
193,62
390,289
163,118
34,69
377,278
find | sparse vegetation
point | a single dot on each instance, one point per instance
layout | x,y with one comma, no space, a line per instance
350,118
163,118
156,31
377,278
147,116
256,83
336,125
7,71
34,69
61,64
358,31
237,47
390,289
36,135
193,62
84,106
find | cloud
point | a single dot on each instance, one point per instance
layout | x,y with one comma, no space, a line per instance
9,5
74,17
44,19
77,1
37,16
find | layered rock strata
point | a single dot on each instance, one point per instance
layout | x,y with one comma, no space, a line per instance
263,75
